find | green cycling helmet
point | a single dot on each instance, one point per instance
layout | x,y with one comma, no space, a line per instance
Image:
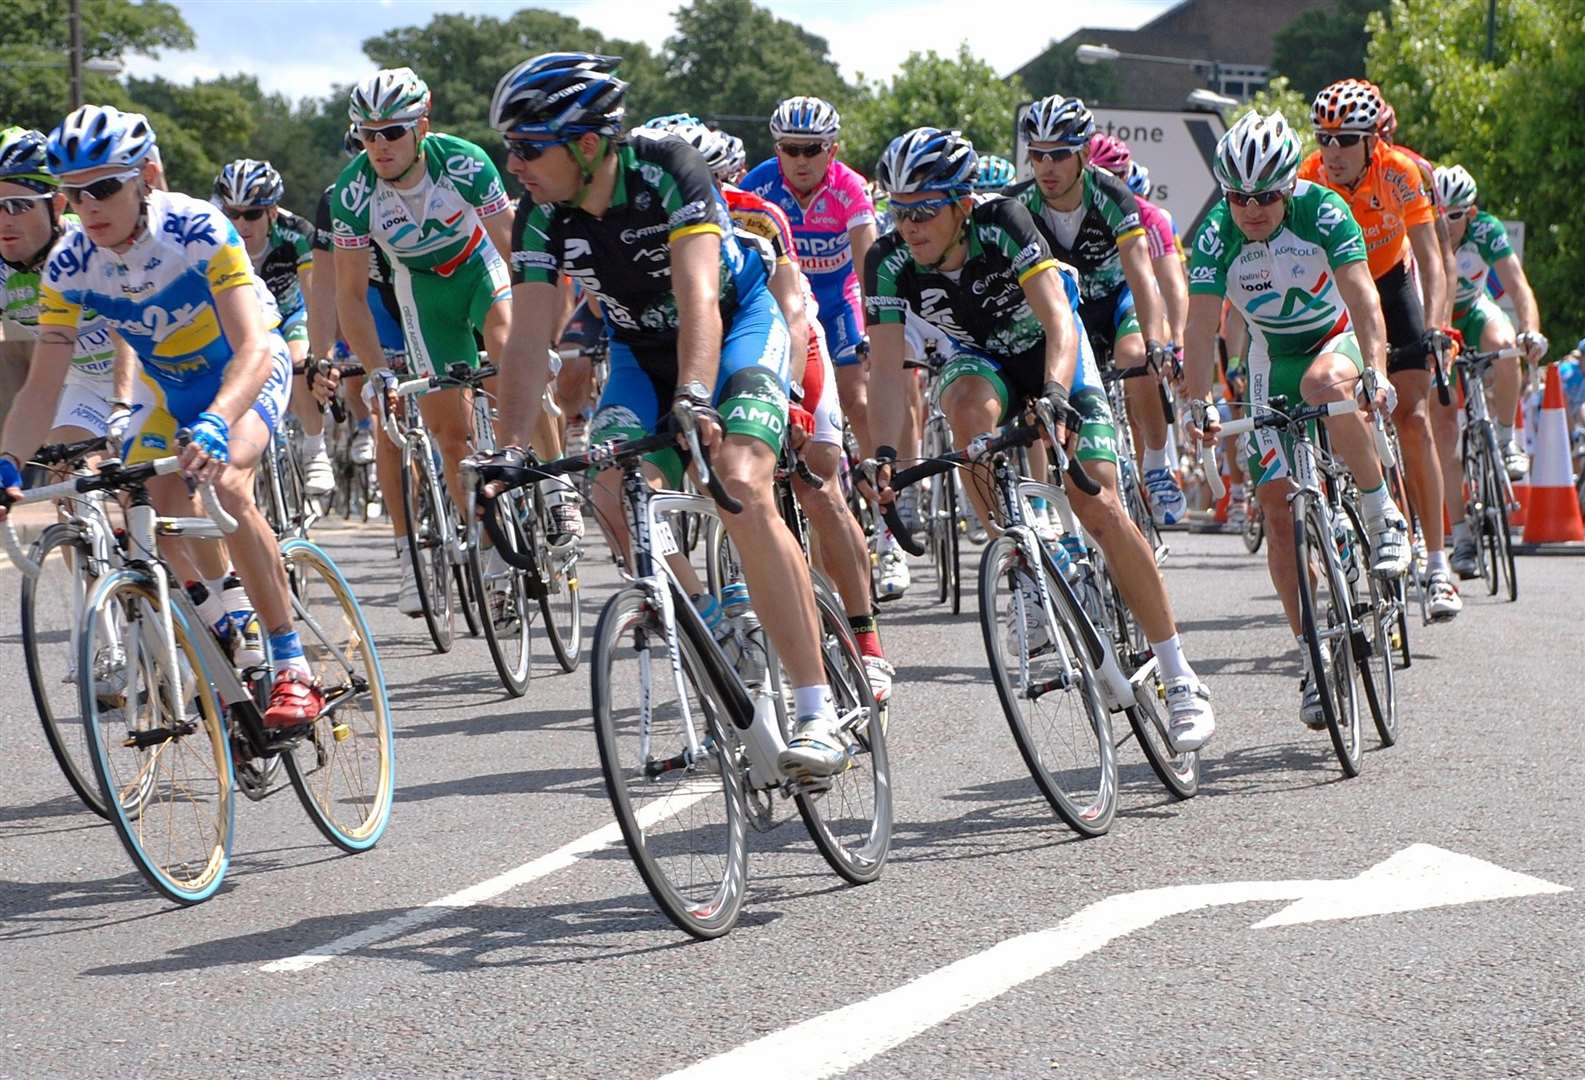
23,159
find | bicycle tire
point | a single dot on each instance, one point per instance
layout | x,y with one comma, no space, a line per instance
66,735
136,768
629,624
1373,640
1497,511
426,549
1003,564
560,603
1330,650
1254,531
513,657
341,650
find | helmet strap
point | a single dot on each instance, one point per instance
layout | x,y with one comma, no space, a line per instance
962,237
36,260
586,168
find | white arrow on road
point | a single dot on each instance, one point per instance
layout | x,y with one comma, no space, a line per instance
1419,876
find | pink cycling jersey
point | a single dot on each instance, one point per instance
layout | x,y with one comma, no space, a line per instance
1158,228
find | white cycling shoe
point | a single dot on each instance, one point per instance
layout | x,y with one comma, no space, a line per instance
892,578
319,476
1191,720
815,749
1167,504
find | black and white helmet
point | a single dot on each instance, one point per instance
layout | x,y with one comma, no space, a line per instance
1259,153
394,94
737,155
928,159
1455,187
809,117
249,183
713,146
1057,119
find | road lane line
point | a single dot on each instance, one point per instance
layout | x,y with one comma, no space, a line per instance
435,910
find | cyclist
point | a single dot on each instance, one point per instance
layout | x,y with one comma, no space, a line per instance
995,174
1090,220
833,223
171,276
982,273
1481,245
1387,197
1112,154
639,223
1315,339
280,244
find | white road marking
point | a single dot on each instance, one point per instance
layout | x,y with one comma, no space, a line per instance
1420,876
435,910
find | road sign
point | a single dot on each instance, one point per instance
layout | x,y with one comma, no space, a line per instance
1177,148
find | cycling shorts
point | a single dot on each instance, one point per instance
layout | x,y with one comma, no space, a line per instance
1017,382
1108,319
441,314
158,412
750,387
843,323
1483,313
1270,454
1405,318
83,405
294,327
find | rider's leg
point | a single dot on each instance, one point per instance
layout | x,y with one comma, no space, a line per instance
973,406
1421,464
853,389
841,554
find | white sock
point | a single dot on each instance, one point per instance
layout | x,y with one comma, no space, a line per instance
1435,561
1374,503
1169,655
298,664
313,445
812,701
1504,435
1157,459
1236,493
1460,531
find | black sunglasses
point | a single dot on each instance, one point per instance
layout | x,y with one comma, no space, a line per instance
924,210
252,214
1259,198
1459,215
99,190
389,133
808,150
531,149
1347,138
17,205
1062,153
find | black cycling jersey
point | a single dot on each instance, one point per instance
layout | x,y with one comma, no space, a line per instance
1111,215
981,305
288,249
663,192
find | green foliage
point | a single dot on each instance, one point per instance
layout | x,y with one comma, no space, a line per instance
1324,45
1058,71
1278,96
1513,122
958,92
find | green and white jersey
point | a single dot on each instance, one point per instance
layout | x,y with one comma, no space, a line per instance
435,226
95,354
1485,244
1285,286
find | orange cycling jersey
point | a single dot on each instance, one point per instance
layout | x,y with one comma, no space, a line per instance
1388,201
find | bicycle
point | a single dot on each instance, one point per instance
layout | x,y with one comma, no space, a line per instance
1347,639
1128,478
1488,492
170,722
682,740
939,496
1031,586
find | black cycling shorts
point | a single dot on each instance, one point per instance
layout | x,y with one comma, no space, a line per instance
1405,317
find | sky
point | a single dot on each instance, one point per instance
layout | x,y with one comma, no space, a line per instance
300,48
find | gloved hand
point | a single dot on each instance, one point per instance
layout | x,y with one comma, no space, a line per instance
1534,343
117,422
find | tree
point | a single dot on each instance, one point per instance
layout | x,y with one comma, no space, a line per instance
1278,96
1511,122
731,62
1324,45
1058,71
962,93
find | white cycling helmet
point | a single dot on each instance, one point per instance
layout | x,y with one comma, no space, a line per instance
98,135
246,182
712,146
394,94
810,117
928,159
1259,153
1057,119
1455,187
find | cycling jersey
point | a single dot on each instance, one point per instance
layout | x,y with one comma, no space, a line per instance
822,225
1485,244
765,221
1106,217
1158,229
382,294
1387,201
288,250
94,356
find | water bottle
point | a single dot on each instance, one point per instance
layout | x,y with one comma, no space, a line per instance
1073,544
247,642
1343,537
749,636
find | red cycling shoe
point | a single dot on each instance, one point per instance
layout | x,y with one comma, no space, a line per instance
294,700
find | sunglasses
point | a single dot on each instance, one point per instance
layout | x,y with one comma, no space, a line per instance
250,214
389,133
99,190
1458,215
532,149
1061,153
924,210
17,205
807,150
1347,138
1259,198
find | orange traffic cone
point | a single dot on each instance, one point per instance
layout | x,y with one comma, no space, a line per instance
1521,486
1553,515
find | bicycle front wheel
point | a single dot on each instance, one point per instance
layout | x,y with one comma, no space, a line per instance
1048,689
559,603
1326,621
422,506
1496,532
503,601
159,749
344,771
52,610
671,764
1373,648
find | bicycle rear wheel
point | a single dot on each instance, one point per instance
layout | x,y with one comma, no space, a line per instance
1326,620
1496,532
422,506
1378,616
503,600
1049,693
559,602
344,770
160,752
684,821
52,610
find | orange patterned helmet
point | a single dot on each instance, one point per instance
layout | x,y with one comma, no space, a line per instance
1350,105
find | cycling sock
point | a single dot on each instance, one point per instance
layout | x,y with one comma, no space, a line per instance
709,609
867,631
313,445
210,607
1436,560
1169,655
364,425
1375,502
1460,531
812,701
1236,493
287,649
1504,435
1157,459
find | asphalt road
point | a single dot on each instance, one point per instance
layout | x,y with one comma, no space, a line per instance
1434,963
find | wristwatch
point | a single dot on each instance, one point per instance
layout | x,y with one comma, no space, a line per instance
694,391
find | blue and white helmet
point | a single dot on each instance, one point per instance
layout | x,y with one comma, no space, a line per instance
928,159
96,136
560,94
1056,119
1138,179
714,146
246,182
669,121
810,117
